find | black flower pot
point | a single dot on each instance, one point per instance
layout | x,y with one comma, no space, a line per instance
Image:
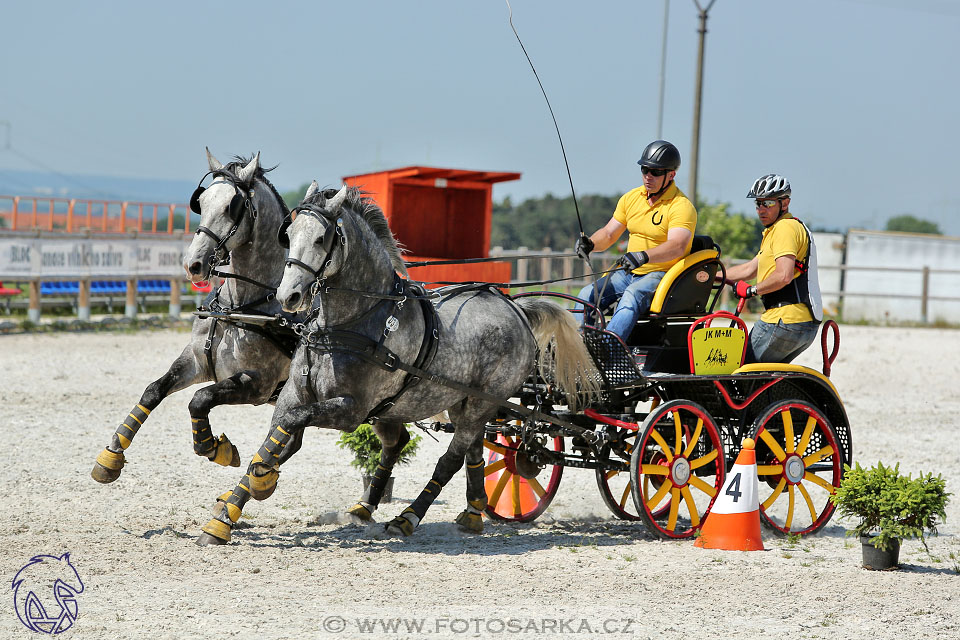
387,490
880,559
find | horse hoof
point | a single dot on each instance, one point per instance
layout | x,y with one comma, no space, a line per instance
206,540
262,487
226,454
360,512
107,467
470,522
400,526
214,532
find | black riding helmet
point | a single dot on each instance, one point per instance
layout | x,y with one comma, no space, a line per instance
660,154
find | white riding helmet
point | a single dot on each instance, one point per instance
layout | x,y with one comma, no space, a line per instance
770,186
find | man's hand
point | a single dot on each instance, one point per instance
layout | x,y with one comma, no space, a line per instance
744,289
634,259
583,246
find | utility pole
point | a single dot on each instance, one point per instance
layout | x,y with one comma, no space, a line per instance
663,67
698,97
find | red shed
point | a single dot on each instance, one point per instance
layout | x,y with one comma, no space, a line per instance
441,214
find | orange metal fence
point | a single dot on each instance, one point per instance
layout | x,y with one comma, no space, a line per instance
72,215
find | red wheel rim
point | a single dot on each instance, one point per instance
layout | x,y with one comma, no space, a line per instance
799,464
677,469
616,487
511,496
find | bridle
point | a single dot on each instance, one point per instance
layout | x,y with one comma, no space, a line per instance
241,202
334,229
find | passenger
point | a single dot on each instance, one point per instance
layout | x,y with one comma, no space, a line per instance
787,283
661,221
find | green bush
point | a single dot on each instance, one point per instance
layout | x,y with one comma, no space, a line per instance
365,446
891,505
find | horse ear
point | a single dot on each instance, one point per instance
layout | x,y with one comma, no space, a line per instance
212,162
333,205
247,173
311,190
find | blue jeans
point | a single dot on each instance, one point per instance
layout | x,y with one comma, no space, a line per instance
635,293
779,342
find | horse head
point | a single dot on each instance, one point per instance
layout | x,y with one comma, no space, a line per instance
318,246
227,215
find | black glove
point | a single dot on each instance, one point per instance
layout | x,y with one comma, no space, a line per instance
634,259
583,246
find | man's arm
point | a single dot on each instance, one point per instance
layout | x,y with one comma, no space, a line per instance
782,275
745,271
604,237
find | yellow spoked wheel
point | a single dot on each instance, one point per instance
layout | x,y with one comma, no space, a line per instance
677,468
799,464
518,489
616,486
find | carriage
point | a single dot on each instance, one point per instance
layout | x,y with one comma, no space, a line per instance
675,404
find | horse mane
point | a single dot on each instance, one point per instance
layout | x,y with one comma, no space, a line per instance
361,203
230,170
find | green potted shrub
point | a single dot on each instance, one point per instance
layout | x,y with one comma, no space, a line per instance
891,507
365,446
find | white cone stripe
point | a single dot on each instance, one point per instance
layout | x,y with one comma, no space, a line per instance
740,491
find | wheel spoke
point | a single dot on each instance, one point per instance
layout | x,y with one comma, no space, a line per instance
694,438
674,509
654,470
493,467
807,432
691,506
626,493
705,459
658,496
515,495
817,456
496,448
776,494
501,485
663,444
537,487
787,429
815,479
678,428
806,496
791,497
703,486
771,442
769,469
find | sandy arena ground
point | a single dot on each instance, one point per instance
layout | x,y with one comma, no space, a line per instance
295,569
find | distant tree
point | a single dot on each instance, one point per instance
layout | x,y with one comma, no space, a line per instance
293,198
548,221
912,224
737,234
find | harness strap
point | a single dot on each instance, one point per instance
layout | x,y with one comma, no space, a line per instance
208,349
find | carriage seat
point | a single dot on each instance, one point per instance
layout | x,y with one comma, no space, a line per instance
686,287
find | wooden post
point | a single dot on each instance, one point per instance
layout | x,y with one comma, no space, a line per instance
924,295
131,307
83,301
175,307
521,264
567,274
545,265
33,312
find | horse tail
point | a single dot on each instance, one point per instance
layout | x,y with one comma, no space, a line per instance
562,352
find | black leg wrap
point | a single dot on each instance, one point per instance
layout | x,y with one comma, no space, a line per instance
130,425
426,498
203,441
269,453
475,486
378,483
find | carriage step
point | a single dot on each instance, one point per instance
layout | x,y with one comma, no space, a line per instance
639,356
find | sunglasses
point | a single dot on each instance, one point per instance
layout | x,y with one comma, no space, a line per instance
766,203
653,172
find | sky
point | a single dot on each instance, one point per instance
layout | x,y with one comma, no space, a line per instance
854,101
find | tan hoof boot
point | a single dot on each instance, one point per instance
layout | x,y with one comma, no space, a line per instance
262,487
225,454
361,512
108,466
404,524
469,521
214,532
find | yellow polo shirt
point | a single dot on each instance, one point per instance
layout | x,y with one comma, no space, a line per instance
785,237
648,226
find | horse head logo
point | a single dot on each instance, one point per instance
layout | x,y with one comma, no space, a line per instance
45,594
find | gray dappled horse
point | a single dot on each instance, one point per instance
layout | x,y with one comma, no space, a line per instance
240,213
375,347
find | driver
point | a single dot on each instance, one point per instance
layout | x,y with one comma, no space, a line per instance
661,221
787,282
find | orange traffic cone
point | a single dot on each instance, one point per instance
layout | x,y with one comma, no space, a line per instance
734,521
